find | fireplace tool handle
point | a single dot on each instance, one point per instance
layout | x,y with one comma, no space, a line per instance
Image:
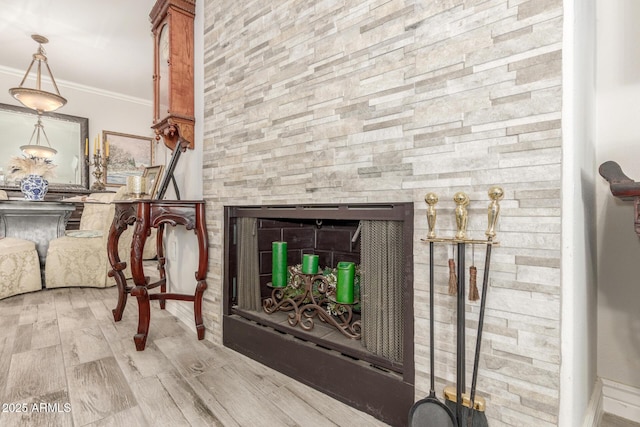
431,199
462,201
495,194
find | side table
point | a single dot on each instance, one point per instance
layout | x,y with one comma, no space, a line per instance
38,221
145,214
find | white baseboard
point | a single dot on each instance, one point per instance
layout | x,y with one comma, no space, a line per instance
621,400
593,414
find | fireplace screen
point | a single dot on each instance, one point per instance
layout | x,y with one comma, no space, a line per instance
382,311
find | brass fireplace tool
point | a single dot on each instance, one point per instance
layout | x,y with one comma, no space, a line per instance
462,201
466,406
311,303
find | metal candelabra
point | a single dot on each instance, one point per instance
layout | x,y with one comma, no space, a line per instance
307,305
99,165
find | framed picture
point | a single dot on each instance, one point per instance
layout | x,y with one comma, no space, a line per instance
154,175
128,155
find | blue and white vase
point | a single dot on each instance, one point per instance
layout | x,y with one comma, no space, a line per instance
34,187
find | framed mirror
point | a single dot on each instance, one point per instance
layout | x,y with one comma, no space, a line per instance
66,134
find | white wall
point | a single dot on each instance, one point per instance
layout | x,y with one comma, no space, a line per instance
578,371
618,139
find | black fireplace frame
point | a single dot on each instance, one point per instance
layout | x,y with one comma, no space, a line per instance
383,390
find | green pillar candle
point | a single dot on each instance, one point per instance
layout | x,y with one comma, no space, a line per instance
279,264
310,264
344,286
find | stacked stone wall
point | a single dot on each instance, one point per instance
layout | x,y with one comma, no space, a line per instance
383,101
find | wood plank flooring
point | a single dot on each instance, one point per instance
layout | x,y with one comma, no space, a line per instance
65,362
610,420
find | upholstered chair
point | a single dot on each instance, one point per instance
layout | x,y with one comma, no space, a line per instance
19,265
80,257
95,216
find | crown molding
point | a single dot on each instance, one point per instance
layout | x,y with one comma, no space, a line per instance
19,74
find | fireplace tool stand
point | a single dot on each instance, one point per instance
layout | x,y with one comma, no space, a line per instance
306,306
473,414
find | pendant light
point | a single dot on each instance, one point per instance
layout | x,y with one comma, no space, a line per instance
37,150
36,98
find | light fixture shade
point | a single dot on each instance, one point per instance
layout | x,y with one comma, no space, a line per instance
36,98
38,151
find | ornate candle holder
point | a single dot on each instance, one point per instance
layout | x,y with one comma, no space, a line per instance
307,305
99,167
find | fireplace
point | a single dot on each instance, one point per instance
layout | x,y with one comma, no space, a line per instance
375,373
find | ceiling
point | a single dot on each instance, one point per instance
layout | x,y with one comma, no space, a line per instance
103,44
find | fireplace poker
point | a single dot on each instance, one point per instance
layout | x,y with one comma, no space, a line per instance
495,194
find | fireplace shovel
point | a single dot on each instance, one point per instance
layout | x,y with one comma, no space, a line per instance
430,412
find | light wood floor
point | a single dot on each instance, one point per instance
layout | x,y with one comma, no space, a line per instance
65,362
610,420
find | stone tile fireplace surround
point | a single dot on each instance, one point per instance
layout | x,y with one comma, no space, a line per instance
378,101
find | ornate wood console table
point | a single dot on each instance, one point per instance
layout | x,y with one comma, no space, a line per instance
145,214
623,187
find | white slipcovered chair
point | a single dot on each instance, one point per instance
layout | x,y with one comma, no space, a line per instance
19,265
80,257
